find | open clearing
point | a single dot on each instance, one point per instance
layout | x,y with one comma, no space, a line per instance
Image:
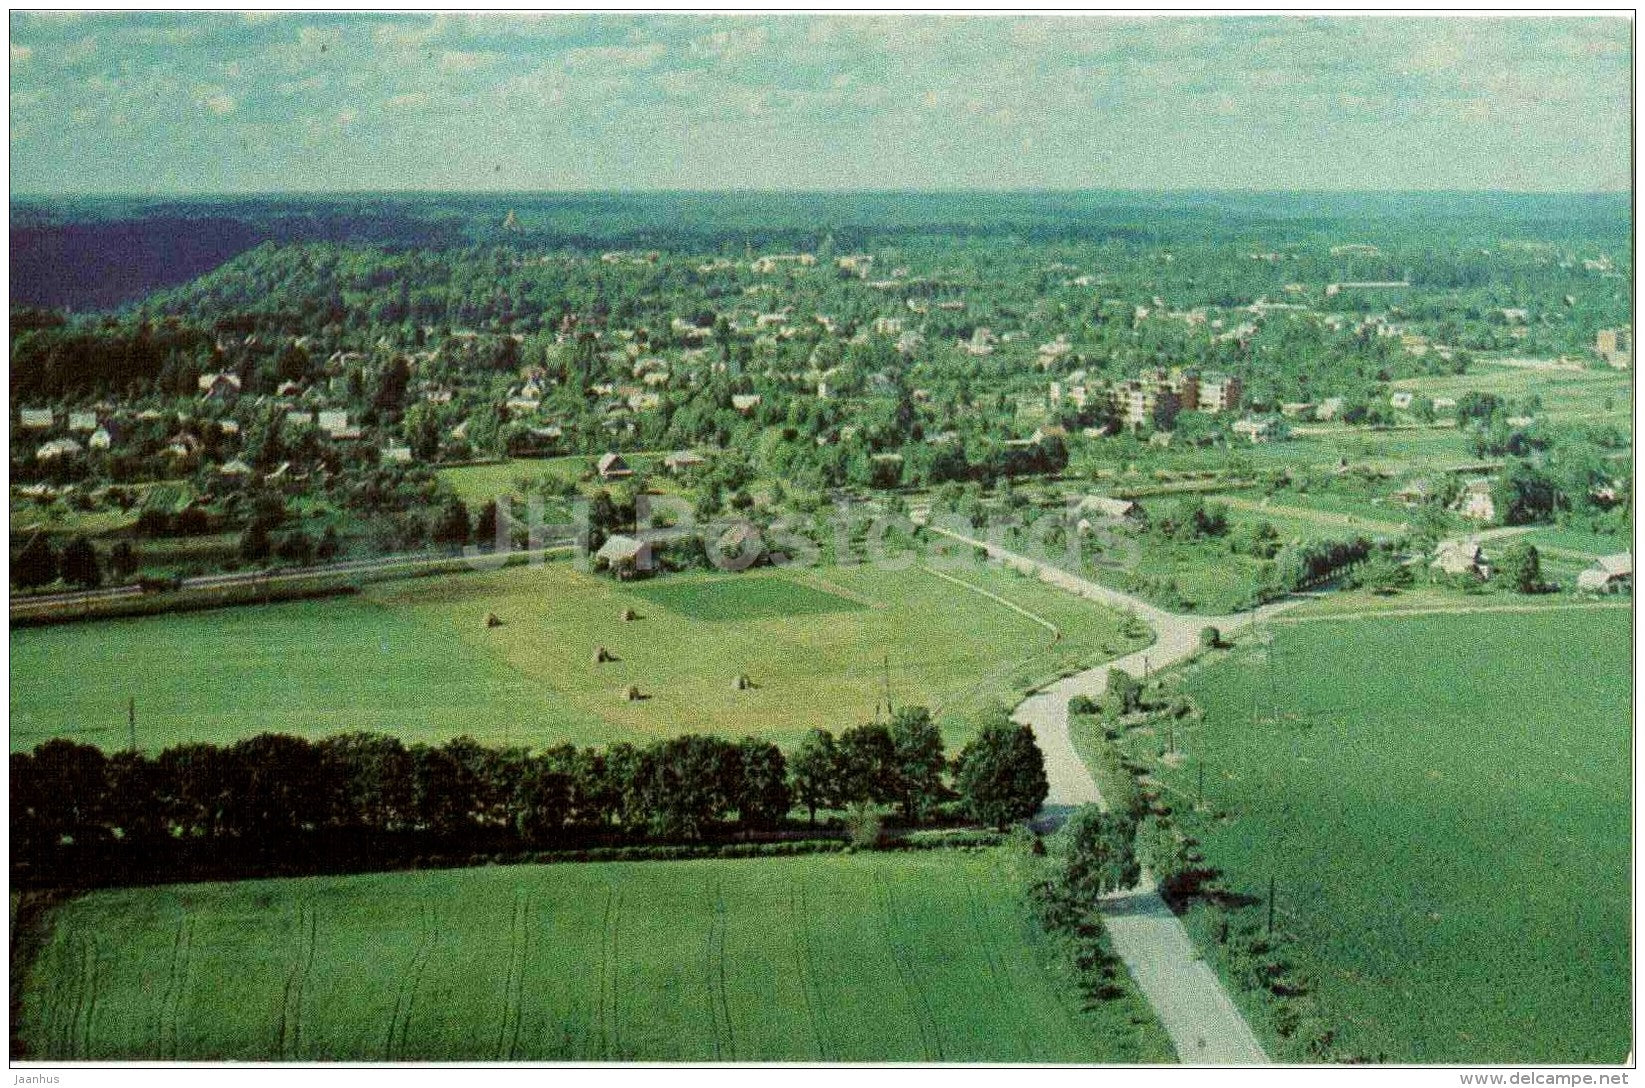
414,658
1444,804
872,957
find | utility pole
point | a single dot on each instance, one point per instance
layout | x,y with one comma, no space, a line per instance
131,720
886,663
1201,802
1270,905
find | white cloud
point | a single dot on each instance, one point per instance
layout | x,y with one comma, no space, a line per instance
732,44
304,86
457,60
615,56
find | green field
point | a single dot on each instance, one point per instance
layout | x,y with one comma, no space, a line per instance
873,957
1595,395
737,598
415,658
1444,803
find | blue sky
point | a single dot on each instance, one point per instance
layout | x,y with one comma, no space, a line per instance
167,103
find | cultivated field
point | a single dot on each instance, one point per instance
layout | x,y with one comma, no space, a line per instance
914,957
1444,803
415,658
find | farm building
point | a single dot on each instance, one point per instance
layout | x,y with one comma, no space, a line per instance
1461,557
36,419
397,455
219,386
1476,503
60,447
625,557
613,467
1413,493
235,468
83,422
1609,574
1107,507
680,460
1401,400
745,402
100,439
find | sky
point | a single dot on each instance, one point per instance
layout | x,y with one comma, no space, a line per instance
172,103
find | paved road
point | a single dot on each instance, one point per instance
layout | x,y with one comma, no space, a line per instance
1186,995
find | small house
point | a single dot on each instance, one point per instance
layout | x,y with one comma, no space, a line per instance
100,439
36,419
219,386
83,422
682,460
1402,400
1103,506
235,469
333,422
1460,557
397,455
625,556
1476,503
613,467
1609,574
61,447
1413,493
745,402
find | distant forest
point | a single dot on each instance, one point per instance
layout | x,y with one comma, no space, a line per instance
102,253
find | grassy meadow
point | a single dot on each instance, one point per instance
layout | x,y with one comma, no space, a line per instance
870,957
415,658
1444,803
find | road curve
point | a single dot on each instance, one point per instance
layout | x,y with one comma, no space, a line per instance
1204,1024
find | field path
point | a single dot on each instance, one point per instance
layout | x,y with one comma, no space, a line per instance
1204,1024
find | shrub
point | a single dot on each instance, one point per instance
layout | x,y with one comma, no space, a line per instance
864,825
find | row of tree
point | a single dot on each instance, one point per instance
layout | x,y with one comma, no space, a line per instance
81,815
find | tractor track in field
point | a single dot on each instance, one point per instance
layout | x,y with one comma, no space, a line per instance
171,999
519,939
405,995
1004,987
599,979
895,931
85,1002
606,979
290,1033
805,969
719,1009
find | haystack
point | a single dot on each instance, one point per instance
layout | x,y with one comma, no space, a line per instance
629,615
632,693
742,682
492,620
601,655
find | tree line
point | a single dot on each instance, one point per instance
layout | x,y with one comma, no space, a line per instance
275,803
